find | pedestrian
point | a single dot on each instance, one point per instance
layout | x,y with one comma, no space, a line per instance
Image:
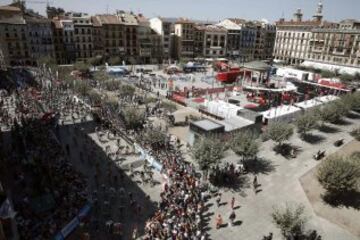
232,203
218,200
232,217
135,233
219,221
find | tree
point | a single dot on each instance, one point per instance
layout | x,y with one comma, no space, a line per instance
339,175
127,91
346,78
327,74
245,145
306,123
168,106
48,62
82,67
100,76
133,117
332,112
114,61
95,61
81,87
94,96
112,85
156,139
356,133
290,220
208,152
279,132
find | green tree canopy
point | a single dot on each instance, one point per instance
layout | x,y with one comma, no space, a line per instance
307,122
82,67
356,133
127,91
333,112
168,106
245,145
81,87
95,61
114,61
279,132
100,76
339,174
133,117
290,220
208,152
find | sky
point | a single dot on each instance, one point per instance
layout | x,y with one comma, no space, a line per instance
214,10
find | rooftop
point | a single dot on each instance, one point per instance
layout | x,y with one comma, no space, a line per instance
207,125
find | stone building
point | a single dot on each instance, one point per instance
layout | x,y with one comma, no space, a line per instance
83,35
336,46
63,38
39,36
235,36
165,27
210,41
185,34
118,34
13,35
150,42
264,40
292,43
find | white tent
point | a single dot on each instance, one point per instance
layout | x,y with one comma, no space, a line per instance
285,113
222,109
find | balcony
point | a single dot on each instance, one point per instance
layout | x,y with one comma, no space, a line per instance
317,49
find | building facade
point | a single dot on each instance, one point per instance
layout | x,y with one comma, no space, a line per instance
39,37
264,41
150,42
83,35
210,41
13,34
335,46
235,28
63,38
185,34
292,43
165,27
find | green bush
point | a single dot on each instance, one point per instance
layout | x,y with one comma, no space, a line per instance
339,175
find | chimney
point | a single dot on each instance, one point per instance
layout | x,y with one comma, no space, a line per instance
298,15
319,12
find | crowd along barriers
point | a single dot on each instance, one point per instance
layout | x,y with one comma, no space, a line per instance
146,156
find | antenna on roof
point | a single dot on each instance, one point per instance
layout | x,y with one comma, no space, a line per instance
107,8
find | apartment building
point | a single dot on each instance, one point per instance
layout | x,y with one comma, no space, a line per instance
150,42
336,46
13,35
292,43
210,41
39,36
235,28
185,34
264,40
165,27
83,35
63,38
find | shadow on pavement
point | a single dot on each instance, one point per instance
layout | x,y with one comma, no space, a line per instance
99,166
259,165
